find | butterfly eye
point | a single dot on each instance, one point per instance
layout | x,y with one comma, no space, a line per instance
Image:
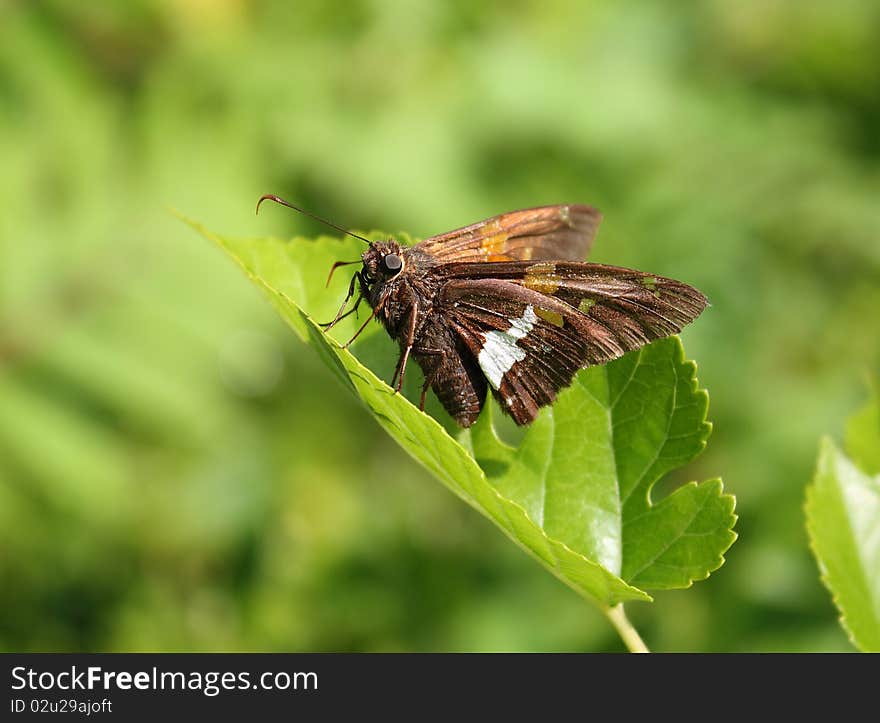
392,263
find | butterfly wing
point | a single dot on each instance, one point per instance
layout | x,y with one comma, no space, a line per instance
563,232
531,327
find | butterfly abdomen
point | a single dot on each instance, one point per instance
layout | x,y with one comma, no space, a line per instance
450,371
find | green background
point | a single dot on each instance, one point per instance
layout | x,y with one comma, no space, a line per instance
178,472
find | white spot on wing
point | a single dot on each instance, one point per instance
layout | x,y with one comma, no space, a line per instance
565,216
500,352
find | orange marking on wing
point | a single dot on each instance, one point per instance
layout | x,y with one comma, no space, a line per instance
553,317
542,278
586,304
493,242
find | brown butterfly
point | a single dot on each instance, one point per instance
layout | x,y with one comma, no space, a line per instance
509,304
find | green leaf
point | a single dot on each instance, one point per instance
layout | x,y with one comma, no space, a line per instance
863,436
585,468
843,522
575,494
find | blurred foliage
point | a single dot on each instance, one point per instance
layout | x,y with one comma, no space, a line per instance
843,518
178,473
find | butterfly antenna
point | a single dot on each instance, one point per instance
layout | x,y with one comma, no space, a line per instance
278,199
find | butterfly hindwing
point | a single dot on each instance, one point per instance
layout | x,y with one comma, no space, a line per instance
546,232
531,332
528,345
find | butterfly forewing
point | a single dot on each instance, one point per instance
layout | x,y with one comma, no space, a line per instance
613,295
563,232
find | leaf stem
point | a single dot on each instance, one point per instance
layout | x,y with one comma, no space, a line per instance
625,629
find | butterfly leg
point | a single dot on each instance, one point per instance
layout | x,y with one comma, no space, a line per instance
339,315
401,368
328,325
429,380
363,326
404,357
396,369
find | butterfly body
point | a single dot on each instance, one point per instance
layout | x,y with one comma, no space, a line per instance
510,305
408,302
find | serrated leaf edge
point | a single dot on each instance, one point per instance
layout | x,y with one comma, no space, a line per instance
826,445
729,501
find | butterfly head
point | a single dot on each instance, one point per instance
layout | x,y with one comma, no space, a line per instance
382,262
